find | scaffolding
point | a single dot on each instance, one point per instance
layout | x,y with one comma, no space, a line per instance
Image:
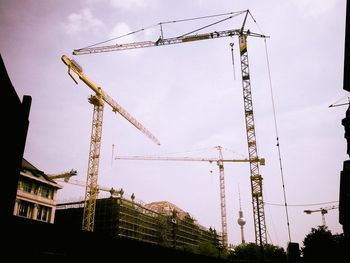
120,217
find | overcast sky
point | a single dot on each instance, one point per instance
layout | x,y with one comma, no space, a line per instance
188,96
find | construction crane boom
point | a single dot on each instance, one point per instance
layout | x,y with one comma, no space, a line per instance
199,159
164,41
65,175
255,176
219,161
72,65
97,101
111,190
323,211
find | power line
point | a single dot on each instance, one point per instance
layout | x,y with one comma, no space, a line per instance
314,204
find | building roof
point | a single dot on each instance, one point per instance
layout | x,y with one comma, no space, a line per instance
167,208
28,168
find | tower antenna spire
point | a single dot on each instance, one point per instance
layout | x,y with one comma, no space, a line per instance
241,221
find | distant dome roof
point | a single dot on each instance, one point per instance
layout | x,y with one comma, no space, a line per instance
165,207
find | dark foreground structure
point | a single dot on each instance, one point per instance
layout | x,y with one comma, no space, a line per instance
28,239
344,189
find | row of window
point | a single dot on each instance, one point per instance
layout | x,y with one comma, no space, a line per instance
26,209
44,191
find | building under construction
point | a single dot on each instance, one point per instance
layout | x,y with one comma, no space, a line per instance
159,223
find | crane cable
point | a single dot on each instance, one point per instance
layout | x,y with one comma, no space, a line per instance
276,130
212,24
203,17
277,140
232,14
233,61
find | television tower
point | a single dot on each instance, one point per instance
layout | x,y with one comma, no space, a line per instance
241,221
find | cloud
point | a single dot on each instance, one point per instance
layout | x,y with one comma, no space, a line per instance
314,8
121,29
129,4
82,22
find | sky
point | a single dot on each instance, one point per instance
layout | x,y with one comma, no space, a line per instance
190,97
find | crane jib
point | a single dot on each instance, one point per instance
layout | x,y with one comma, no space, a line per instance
165,41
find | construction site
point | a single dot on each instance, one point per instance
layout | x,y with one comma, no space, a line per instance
97,226
100,98
160,223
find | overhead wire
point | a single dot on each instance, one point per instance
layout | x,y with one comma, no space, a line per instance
203,17
277,139
313,204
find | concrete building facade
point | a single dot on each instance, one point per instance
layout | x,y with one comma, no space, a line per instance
36,194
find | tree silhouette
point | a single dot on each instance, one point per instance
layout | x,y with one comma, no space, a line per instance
320,245
250,252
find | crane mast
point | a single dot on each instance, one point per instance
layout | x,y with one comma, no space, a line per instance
97,100
222,199
91,191
255,177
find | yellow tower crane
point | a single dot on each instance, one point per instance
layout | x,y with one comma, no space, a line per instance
255,177
97,101
220,162
65,176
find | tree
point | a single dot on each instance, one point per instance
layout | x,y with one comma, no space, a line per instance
207,249
320,245
251,252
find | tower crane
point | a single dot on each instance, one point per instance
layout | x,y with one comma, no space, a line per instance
65,175
220,162
255,177
323,211
97,101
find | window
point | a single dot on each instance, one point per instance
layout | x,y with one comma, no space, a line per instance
27,187
45,192
24,209
43,213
